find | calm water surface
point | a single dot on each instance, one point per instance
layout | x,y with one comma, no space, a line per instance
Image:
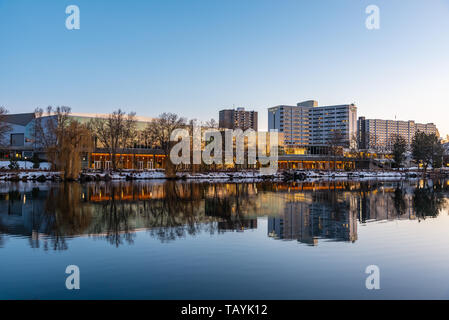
169,240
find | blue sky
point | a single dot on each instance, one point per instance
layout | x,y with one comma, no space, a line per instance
194,57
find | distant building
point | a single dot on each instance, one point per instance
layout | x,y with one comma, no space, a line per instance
308,124
238,119
20,143
377,134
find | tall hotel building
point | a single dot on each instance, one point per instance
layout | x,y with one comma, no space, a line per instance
377,134
307,124
237,119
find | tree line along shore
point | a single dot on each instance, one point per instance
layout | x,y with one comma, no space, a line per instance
65,140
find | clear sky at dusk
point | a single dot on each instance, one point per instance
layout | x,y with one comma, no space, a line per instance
194,57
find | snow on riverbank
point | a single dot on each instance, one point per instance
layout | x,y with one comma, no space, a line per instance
124,175
30,175
303,175
158,174
361,174
241,176
227,175
25,165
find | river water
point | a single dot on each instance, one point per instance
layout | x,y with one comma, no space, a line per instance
206,240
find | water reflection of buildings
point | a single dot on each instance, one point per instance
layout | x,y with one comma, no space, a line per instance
306,212
387,203
331,211
308,221
19,209
231,212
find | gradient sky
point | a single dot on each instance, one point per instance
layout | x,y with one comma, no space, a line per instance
195,57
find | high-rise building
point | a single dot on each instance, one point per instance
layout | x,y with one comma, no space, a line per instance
377,134
308,124
238,119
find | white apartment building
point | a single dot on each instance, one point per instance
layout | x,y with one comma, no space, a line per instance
377,134
308,124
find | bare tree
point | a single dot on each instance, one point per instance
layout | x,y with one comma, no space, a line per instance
4,127
130,134
335,144
354,147
47,126
116,131
211,124
63,139
158,131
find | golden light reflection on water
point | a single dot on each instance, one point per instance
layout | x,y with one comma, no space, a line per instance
304,212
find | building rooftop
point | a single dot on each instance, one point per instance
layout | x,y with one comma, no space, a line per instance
105,116
24,118
406,121
21,119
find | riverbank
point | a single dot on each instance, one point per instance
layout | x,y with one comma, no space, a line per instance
363,174
243,176
35,175
159,174
127,175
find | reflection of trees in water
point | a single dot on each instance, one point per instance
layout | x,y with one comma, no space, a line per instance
113,223
177,212
48,216
232,204
2,238
428,200
371,205
173,210
64,215
172,213
198,207
383,200
14,197
398,198
420,199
